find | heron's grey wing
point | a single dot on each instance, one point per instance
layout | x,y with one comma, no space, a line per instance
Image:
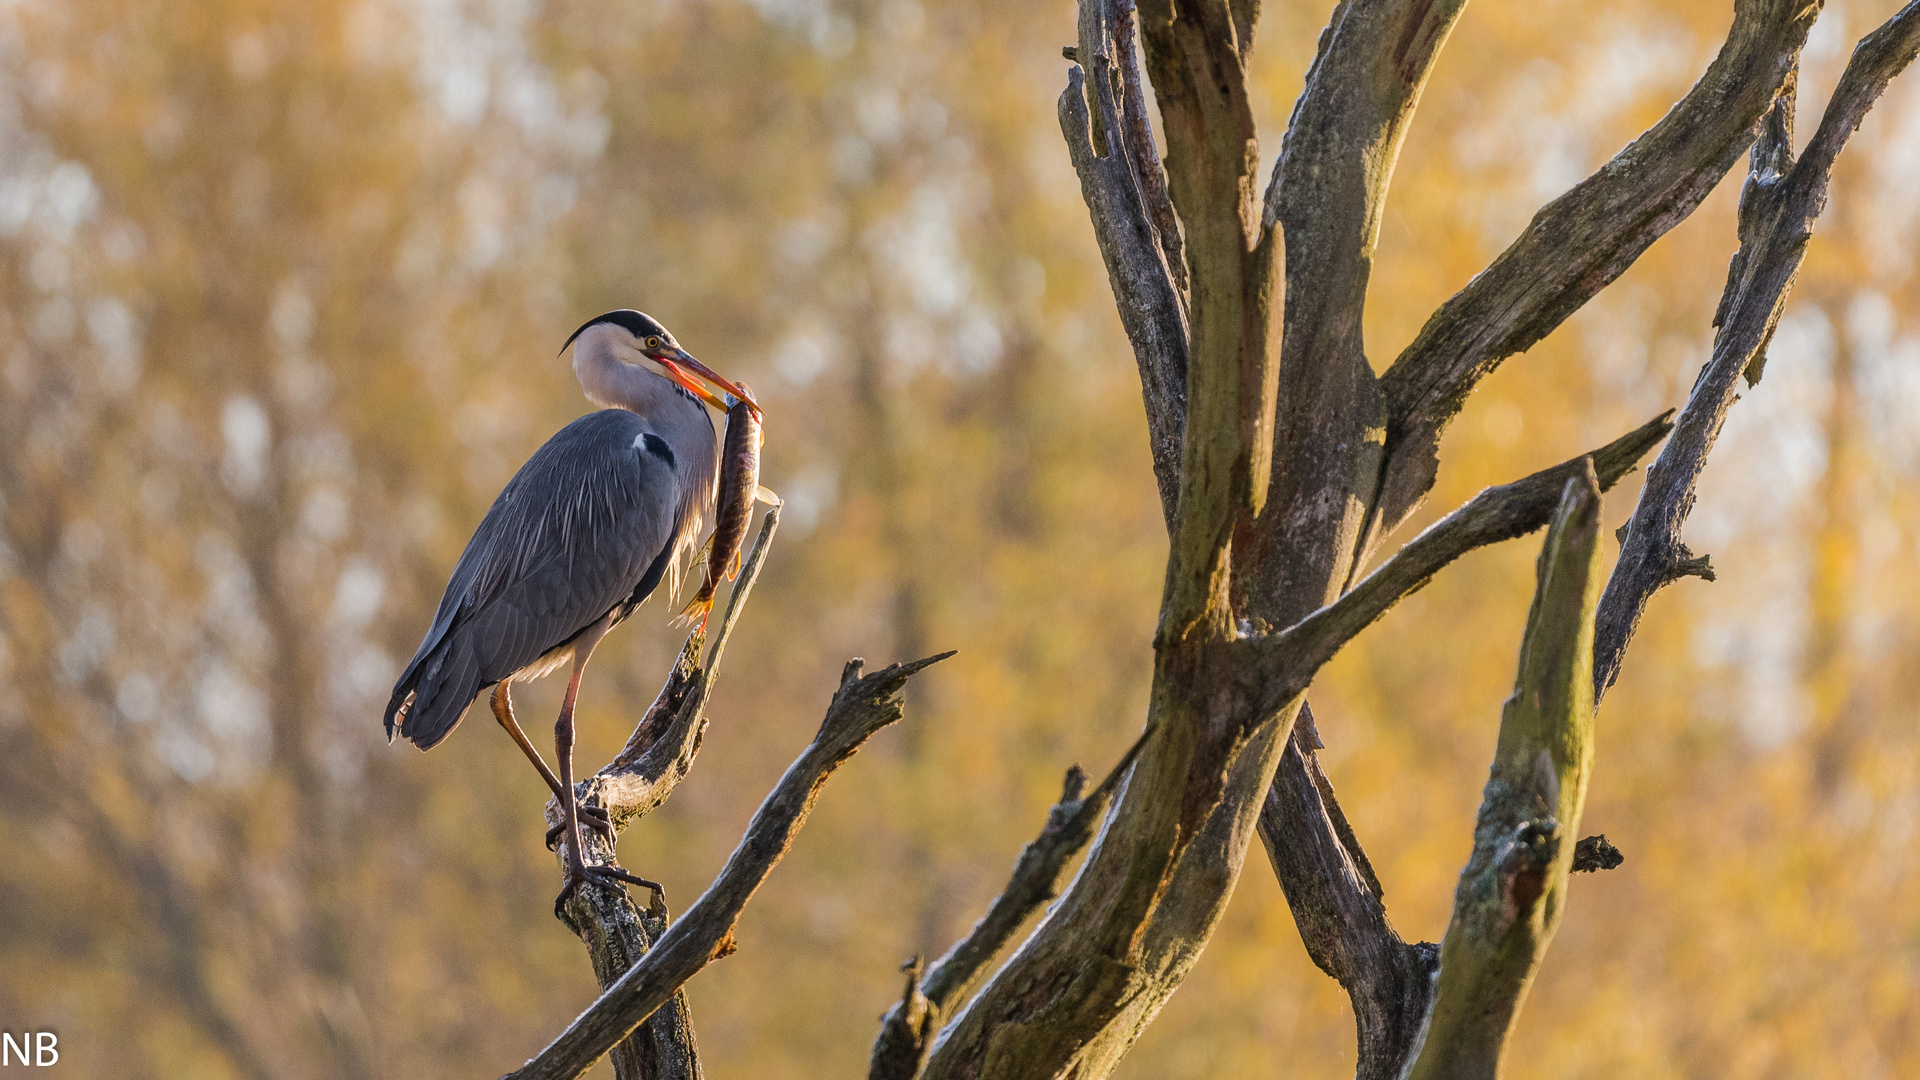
571,536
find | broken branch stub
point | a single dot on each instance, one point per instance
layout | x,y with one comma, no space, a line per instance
1513,890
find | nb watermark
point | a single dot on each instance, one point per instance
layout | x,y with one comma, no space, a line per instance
32,1048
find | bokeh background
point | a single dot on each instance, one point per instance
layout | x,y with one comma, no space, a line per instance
281,285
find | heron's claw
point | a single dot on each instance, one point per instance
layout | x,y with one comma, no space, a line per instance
611,877
591,816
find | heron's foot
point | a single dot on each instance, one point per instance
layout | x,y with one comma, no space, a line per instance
591,816
610,877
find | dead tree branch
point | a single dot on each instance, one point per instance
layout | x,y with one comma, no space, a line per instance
1579,243
1593,854
1496,514
1340,908
861,707
1778,207
1125,192
1513,890
1076,994
906,1032
1337,901
1328,191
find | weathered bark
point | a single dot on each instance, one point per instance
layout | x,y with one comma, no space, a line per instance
1329,187
1125,192
1513,892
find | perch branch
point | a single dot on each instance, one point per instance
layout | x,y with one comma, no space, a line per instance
1779,204
861,707
657,757
1513,890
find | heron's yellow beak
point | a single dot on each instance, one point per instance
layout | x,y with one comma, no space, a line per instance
681,367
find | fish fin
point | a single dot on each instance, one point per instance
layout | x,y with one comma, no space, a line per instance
733,567
765,494
696,611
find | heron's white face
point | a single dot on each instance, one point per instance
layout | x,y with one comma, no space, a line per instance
658,353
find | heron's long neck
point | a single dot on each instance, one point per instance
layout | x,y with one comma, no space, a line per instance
671,413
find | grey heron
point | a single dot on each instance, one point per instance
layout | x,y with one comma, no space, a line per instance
582,534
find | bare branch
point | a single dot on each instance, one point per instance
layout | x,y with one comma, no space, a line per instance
1200,83
1146,158
1513,890
1582,241
1338,906
861,707
1336,900
1778,207
1496,514
617,935
1126,197
1151,892
907,1030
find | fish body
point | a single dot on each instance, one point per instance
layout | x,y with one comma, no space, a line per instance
733,508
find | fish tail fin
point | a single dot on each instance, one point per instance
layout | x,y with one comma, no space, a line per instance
696,611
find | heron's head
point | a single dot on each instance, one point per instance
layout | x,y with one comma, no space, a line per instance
636,338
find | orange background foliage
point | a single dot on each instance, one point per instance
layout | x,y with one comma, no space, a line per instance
280,288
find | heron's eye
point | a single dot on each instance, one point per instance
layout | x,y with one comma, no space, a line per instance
653,343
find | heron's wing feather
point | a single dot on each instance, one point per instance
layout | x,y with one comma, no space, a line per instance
571,536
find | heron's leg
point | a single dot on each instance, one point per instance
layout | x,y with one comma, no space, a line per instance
596,816
577,869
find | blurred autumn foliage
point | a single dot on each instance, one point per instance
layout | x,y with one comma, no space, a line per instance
280,289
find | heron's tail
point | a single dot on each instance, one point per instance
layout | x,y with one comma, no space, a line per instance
433,694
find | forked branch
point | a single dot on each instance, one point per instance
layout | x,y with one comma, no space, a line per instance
658,755
1778,207
1499,513
906,1032
861,707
